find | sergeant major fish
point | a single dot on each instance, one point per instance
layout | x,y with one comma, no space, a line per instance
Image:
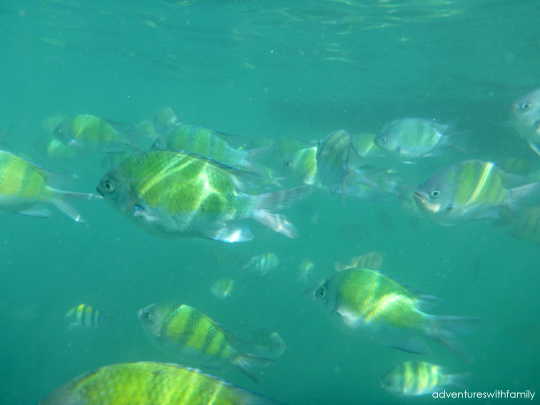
25,188
150,383
175,194
415,378
372,306
473,189
261,264
85,317
197,338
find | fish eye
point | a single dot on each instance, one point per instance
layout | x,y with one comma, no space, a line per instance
435,193
147,316
321,292
109,186
386,140
525,106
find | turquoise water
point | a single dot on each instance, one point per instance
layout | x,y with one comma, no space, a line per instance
277,70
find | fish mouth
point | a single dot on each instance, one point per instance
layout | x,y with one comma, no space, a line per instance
419,197
98,189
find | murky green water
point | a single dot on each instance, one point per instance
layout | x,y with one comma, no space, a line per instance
277,70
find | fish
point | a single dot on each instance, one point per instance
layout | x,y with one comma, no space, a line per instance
411,139
175,194
526,226
365,146
371,260
334,156
223,288
85,317
473,190
150,383
196,338
303,164
525,118
56,149
164,120
416,378
84,132
26,188
268,344
261,264
209,143
305,269
372,306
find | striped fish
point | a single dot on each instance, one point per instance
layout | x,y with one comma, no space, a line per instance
471,190
85,317
261,264
372,306
25,188
151,383
415,378
371,260
196,338
527,225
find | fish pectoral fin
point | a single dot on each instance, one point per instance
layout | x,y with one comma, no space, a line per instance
40,212
350,319
231,234
534,146
413,345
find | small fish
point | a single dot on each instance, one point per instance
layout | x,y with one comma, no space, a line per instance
150,383
86,132
262,264
415,378
197,338
56,149
268,344
471,190
223,288
372,306
371,260
382,184
526,226
164,120
364,144
525,118
85,317
209,143
305,269
303,164
334,155
175,194
411,139
25,188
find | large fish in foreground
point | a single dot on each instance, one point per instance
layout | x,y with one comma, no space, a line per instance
25,188
175,194
148,383
196,338
471,190
372,306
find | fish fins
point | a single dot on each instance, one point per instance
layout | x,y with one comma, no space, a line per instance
37,211
413,345
231,234
535,147
267,344
267,203
247,363
457,380
443,329
66,208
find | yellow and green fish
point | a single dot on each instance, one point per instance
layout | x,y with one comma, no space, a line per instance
471,190
145,383
86,132
175,194
416,378
85,317
223,288
209,143
196,338
25,188
261,264
303,164
372,306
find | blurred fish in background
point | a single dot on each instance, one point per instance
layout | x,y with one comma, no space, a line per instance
223,288
262,264
525,118
84,317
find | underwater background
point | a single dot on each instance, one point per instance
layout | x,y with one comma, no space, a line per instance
275,70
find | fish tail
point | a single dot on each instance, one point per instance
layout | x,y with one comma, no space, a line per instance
267,203
273,346
248,363
444,329
60,202
528,194
457,380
